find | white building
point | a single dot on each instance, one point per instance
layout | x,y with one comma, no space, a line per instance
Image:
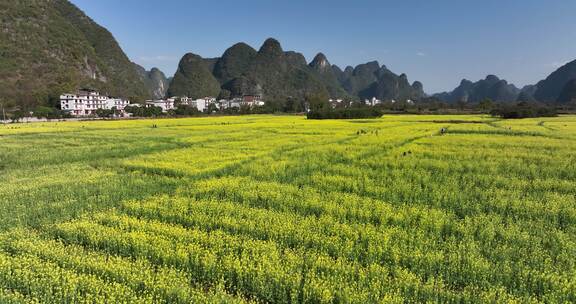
183,100
244,101
87,102
164,104
118,103
232,103
202,104
252,100
372,102
335,103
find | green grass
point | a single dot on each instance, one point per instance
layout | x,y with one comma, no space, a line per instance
284,210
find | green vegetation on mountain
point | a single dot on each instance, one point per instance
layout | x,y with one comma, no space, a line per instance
235,61
279,77
271,72
549,89
493,88
372,80
329,75
193,79
155,81
389,86
527,94
49,47
285,75
362,77
210,63
159,83
557,88
568,93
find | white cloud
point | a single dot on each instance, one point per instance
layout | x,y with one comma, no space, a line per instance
421,54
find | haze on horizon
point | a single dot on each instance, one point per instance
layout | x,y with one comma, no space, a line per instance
437,43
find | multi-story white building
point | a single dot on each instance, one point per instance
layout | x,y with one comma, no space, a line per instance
87,102
184,100
252,100
118,103
201,104
246,101
165,104
232,103
227,104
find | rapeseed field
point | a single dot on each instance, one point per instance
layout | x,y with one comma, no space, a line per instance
280,209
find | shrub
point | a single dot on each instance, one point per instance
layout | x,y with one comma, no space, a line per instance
186,110
50,113
349,113
524,110
144,111
107,113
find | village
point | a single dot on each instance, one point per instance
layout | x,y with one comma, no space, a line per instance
371,102
87,102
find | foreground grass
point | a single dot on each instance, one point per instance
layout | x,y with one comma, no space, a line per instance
281,209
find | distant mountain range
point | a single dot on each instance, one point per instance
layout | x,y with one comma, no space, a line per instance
559,87
278,74
50,47
492,88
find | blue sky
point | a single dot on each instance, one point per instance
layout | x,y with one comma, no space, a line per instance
437,42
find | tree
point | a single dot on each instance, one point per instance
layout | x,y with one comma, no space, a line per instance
461,104
524,110
3,110
293,106
18,115
572,104
104,113
186,110
486,105
346,113
44,112
212,108
318,102
224,94
245,109
144,111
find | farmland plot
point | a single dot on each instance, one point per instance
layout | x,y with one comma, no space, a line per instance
279,209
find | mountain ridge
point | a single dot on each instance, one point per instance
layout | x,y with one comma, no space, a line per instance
550,89
280,75
155,81
491,87
50,47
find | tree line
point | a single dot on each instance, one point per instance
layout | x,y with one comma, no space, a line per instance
316,106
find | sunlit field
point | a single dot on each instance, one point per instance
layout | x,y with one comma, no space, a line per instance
280,209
